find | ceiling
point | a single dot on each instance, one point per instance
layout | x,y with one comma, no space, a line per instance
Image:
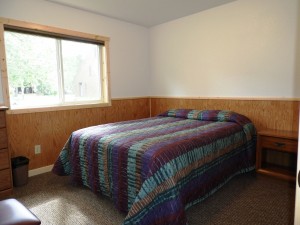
146,13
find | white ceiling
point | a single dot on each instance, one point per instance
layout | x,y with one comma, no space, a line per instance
146,13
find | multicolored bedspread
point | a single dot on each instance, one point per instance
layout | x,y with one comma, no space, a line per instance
155,168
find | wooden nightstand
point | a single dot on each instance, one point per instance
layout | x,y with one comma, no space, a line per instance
276,153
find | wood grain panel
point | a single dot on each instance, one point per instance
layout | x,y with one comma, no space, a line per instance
6,184
5,193
2,119
265,114
5,181
4,160
3,138
52,129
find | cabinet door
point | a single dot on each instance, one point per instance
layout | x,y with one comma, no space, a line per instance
2,119
4,161
3,138
5,182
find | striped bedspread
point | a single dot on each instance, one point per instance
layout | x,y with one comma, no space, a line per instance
154,169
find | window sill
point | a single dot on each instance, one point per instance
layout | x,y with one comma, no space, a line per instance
57,108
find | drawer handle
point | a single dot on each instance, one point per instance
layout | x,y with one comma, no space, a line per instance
279,144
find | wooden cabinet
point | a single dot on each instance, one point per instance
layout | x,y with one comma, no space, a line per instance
6,185
276,153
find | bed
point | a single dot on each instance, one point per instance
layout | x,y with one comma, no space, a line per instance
155,168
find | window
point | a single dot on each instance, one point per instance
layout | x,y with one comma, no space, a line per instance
46,69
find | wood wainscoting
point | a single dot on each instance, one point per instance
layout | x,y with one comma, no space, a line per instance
52,129
265,114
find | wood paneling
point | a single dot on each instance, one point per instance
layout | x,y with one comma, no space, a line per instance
52,129
265,114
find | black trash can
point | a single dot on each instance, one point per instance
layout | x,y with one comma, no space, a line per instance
20,170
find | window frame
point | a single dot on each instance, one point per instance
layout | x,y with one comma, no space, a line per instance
24,27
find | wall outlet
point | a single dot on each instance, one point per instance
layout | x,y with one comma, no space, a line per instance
37,149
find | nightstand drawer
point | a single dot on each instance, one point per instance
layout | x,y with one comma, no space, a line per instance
5,181
4,161
280,144
3,138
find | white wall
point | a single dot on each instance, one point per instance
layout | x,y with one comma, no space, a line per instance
129,45
246,48
297,60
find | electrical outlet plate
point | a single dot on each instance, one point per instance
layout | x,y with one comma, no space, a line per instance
37,149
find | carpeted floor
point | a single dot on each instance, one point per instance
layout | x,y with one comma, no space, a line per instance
246,199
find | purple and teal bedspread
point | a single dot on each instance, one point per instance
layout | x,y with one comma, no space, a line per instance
154,169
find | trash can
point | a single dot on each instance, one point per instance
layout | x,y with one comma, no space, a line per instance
20,170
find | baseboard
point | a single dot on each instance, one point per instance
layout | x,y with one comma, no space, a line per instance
41,170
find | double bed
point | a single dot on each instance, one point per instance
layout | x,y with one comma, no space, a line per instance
153,169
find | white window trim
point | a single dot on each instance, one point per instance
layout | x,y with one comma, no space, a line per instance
41,28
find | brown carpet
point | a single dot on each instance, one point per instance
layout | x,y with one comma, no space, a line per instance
246,199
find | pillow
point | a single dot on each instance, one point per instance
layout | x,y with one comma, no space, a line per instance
214,115
180,113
